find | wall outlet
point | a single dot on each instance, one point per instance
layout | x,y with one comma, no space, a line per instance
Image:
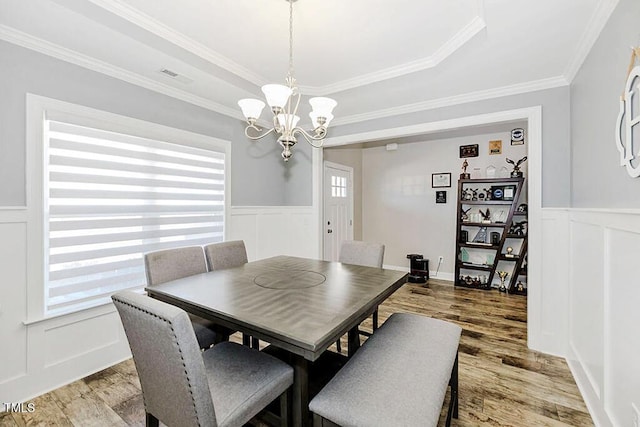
636,415
440,259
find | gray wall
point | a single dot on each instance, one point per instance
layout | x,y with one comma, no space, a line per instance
258,175
597,179
555,133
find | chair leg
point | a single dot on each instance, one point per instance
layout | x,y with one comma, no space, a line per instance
151,421
338,346
246,340
255,343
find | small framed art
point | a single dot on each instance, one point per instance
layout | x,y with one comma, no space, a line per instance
469,151
439,180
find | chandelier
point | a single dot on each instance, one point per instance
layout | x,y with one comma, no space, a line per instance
284,101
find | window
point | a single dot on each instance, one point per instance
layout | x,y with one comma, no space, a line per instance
338,186
110,197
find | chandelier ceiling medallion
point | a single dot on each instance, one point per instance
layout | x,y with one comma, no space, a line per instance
284,101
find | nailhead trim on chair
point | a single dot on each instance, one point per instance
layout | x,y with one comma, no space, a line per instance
193,401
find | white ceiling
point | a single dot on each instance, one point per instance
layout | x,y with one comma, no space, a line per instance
376,57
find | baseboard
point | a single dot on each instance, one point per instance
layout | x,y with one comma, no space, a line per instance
594,406
432,274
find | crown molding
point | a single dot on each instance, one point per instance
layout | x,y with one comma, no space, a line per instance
595,26
140,19
144,21
482,95
28,41
476,25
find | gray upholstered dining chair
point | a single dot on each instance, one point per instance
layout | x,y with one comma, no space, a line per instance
226,385
230,254
171,264
366,254
225,255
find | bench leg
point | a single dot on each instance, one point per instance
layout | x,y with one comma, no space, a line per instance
453,403
375,320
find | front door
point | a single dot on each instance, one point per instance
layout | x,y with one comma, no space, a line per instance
338,208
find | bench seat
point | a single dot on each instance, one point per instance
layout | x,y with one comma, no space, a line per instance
398,378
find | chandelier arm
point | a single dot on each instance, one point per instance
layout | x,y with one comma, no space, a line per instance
320,134
257,129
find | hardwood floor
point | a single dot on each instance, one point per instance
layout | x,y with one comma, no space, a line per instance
502,383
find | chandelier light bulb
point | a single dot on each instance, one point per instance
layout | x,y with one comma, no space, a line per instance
315,119
251,108
322,106
277,95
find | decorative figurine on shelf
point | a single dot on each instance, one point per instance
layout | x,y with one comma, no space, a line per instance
464,174
516,172
518,228
474,194
464,214
481,196
481,237
509,253
503,276
486,216
466,194
522,208
488,191
520,286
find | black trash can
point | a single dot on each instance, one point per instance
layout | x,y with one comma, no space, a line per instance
419,268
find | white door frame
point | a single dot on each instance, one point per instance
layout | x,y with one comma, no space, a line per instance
533,116
348,170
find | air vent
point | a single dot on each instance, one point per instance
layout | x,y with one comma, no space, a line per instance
172,74
169,73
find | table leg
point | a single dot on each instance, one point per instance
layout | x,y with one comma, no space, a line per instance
354,341
300,408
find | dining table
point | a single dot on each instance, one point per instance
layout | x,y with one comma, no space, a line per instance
301,306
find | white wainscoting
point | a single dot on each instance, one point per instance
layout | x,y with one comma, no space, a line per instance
604,311
43,355
40,355
275,230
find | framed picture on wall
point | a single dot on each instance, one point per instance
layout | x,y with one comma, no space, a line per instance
441,196
495,147
468,151
439,180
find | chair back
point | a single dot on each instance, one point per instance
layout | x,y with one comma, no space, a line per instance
171,264
225,255
168,360
361,253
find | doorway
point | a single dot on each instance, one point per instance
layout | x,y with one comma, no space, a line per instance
533,117
338,208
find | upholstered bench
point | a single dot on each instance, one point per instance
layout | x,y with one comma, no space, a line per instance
398,378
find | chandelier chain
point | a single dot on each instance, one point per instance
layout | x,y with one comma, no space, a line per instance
290,38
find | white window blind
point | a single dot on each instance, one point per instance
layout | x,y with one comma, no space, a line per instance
110,197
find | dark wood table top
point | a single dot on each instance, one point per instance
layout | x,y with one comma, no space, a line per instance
301,305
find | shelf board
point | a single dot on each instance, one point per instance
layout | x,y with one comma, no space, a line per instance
487,202
462,265
464,285
482,224
503,257
478,245
488,180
